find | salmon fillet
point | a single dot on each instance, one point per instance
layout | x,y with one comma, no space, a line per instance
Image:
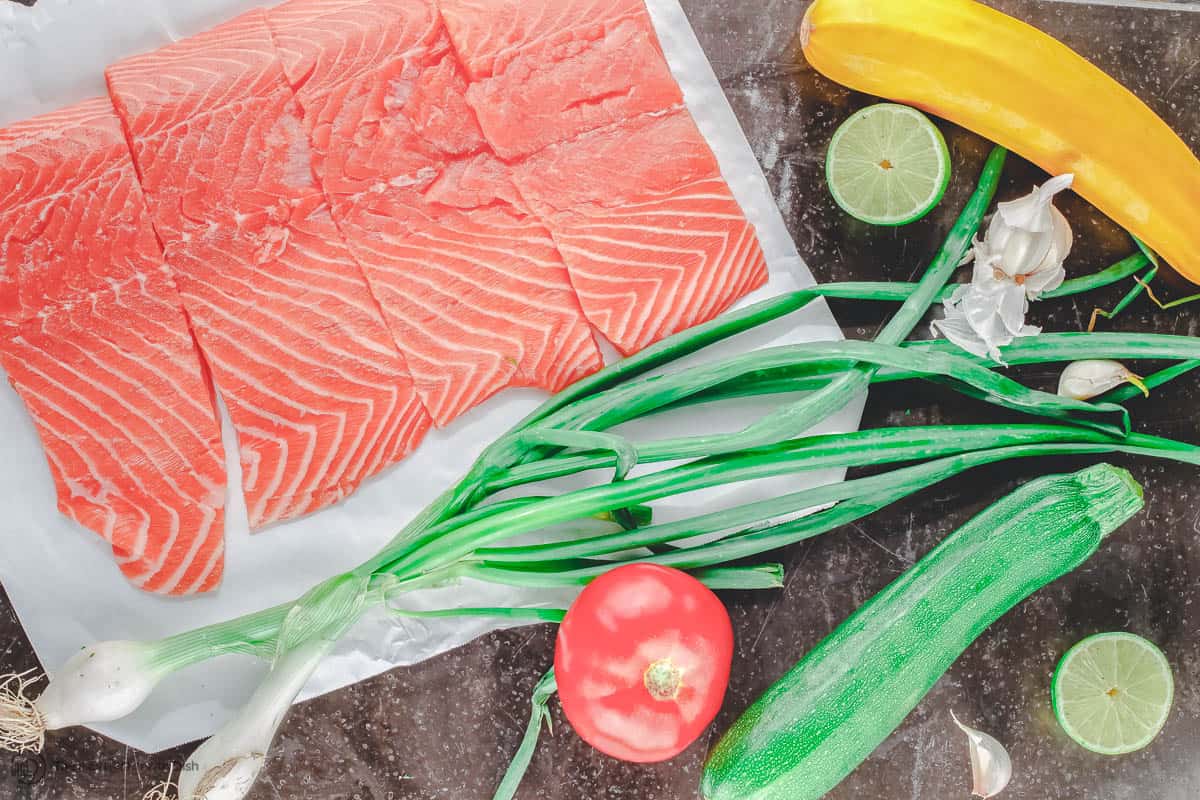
654,240
545,71
319,395
578,96
470,282
95,341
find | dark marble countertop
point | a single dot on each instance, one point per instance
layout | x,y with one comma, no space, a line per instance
446,728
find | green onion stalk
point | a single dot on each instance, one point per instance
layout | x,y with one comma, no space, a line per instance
467,533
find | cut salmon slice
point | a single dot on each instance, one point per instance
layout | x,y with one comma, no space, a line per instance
383,104
490,34
546,71
317,391
95,341
651,234
470,282
479,295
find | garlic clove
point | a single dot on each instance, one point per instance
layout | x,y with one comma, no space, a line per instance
1043,281
991,766
1064,239
1025,252
1083,380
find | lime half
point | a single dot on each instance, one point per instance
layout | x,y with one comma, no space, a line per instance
1112,692
888,165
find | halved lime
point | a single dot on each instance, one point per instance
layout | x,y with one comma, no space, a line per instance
1112,693
888,165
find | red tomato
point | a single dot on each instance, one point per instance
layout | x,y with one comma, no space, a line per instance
642,662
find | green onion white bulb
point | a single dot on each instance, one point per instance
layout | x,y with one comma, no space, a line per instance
101,683
226,766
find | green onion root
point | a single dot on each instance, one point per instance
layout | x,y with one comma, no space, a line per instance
164,790
22,728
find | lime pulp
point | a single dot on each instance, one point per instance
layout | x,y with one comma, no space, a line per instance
1112,693
888,164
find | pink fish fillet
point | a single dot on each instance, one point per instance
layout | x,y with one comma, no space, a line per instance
470,282
545,71
319,395
578,96
652,236
94,339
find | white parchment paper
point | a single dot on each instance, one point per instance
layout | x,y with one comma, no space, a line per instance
61,578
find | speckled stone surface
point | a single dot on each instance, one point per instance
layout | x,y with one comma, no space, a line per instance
446,728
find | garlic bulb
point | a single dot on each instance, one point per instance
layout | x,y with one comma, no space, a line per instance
1020,257
991,767
1027,241
1083,380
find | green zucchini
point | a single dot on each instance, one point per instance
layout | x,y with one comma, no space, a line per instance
825,716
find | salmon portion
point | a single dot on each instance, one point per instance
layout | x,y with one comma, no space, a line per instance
353,65
470,283
478,293
95,341
490,34
545,71
651,234
577,96
319,394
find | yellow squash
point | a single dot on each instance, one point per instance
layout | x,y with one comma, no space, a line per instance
1021,88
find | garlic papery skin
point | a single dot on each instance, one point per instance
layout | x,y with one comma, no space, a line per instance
100,683
982,319
991,767
226,766
1083,380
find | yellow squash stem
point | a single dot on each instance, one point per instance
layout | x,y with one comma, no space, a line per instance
1025,90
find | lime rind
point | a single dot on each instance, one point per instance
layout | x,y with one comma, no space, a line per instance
918,169
1089,671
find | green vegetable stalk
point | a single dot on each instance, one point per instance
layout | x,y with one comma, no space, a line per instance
825,716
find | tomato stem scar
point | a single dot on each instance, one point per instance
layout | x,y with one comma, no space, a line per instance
663,679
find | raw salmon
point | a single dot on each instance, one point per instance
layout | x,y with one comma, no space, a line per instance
315,386
94,339
490,34
653,238
578,96
545,71
470,282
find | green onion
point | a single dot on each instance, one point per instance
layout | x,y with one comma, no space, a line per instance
898,292
542,693
1042,349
